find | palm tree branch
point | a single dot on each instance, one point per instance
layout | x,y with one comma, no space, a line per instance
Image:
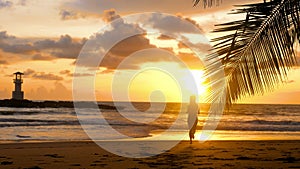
264,60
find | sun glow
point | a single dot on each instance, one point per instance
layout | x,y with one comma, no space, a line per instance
198,76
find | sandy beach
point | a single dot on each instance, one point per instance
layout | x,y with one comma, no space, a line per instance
211,154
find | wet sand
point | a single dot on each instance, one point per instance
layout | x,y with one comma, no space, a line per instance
211,154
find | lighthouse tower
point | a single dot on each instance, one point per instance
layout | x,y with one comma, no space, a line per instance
18,94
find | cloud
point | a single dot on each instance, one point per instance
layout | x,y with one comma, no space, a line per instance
18,48
10,4
171,24
3,62
124,7
4,35
119,30
120,51
131,45
66,14
65,72
105,40
290,81
30,73
70,74
110,15
82,74
5,4
58,92
64,47
164,37
42,57
22,2
44,49
46,76
181,45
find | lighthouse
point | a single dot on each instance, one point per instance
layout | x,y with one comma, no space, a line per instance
18,94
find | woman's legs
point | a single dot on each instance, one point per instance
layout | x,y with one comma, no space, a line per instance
191,136
193,131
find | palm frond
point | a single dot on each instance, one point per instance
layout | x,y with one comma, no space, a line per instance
208,3
259,50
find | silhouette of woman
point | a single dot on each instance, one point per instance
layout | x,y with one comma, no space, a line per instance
192,117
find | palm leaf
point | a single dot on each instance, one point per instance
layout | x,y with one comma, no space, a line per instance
258,51
208,3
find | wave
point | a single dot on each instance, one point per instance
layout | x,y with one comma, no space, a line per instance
10,113
267,122
10,122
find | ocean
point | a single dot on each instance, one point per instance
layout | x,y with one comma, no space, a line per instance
240,122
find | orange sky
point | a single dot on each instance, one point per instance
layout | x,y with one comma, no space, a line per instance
43,38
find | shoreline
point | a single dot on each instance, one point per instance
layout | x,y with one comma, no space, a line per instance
218,135
91,141
210,154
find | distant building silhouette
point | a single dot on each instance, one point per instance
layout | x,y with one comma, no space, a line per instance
18,94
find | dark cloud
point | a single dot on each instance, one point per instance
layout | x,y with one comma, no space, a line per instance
17,48
106,40
4,35
29,73
42,57
290,81
181,45
46,76
5,4
22,2
122,49
9,4
65,14
171,24
82,74
65,72
70,74
110,15
137,59
64,47
3,62
164,37
45,49
68,14
130,45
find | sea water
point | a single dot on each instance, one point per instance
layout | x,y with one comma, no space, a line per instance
240,122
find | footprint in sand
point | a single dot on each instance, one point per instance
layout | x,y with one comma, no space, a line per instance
53,155
6,162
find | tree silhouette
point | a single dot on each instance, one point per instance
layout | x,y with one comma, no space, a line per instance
258,51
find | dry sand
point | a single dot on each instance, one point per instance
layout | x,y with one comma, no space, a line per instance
211,154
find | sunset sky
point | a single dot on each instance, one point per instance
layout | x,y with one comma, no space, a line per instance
43,38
